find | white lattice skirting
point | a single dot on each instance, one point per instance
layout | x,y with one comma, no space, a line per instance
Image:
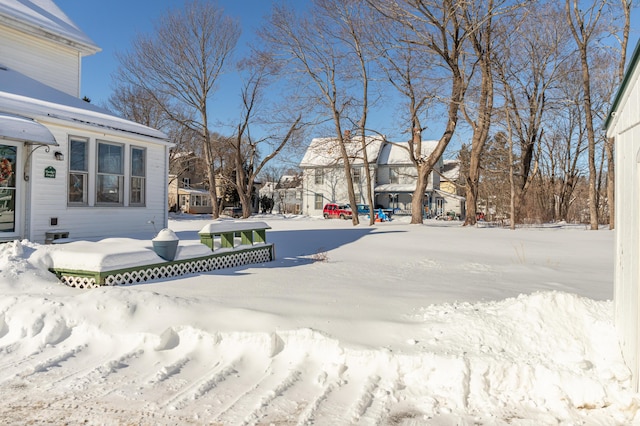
89,279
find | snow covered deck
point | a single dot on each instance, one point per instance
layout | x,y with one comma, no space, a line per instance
118,261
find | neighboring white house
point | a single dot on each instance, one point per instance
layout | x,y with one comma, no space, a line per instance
393,176
623,124
67,166
323,173
286,194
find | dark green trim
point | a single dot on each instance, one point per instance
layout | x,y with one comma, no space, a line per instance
101,276
633,62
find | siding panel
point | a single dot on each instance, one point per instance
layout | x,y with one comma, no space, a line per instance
44,61
50,194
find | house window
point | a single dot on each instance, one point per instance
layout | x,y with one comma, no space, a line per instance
186,182
78,171
138,176
110,177
318,201
319,176
394,176
200,200
355,174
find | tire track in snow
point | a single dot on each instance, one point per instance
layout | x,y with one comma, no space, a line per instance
266,400
199,388
50,362
249,400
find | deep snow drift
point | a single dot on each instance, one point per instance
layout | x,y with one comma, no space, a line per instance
393,324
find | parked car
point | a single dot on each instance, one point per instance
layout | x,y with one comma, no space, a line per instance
335,211
362,208
235,212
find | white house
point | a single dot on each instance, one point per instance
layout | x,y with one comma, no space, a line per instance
286,194
394,176
623,124
323,172
68,168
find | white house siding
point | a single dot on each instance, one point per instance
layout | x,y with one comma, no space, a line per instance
626,291
333,188
91,221
50,63
623,124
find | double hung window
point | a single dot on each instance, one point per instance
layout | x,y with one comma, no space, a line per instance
138,176
78,171
110,176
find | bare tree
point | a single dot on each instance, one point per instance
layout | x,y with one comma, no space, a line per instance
625,6
481,40
438,27
407,68
315,57
352,18
182,61
583,23
529,69
249,161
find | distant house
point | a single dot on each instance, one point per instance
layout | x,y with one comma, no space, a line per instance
449,191
286,194
393,176
68,168
187,190
623,124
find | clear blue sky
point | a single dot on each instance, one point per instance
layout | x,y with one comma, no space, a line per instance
112,25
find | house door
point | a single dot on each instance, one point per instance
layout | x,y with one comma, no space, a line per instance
9,205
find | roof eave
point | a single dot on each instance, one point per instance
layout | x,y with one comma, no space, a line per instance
85,48
633,62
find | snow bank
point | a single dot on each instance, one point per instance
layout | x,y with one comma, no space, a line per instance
299,341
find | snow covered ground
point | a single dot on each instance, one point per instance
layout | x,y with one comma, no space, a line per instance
395,324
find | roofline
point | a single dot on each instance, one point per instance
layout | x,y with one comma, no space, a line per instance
85,48
633,62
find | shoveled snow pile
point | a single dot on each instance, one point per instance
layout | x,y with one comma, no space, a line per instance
393,324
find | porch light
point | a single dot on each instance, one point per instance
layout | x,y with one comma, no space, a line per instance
59,156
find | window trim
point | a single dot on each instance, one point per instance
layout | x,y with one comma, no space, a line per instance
143,177
85,173
120,177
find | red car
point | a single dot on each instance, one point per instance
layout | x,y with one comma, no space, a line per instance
335,211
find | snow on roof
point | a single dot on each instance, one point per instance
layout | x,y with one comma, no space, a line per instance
451,169
44,18
192,191
398,187
25,130
326,151
24,96
397,152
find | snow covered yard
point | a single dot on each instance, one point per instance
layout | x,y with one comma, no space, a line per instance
395,324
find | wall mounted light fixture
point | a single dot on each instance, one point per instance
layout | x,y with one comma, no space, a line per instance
59,156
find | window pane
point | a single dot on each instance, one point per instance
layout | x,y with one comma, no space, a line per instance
137,162
109,189
110,159
77,185
137,190
78,155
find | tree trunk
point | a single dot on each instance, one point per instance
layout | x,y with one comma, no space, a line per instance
417,200
611,184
